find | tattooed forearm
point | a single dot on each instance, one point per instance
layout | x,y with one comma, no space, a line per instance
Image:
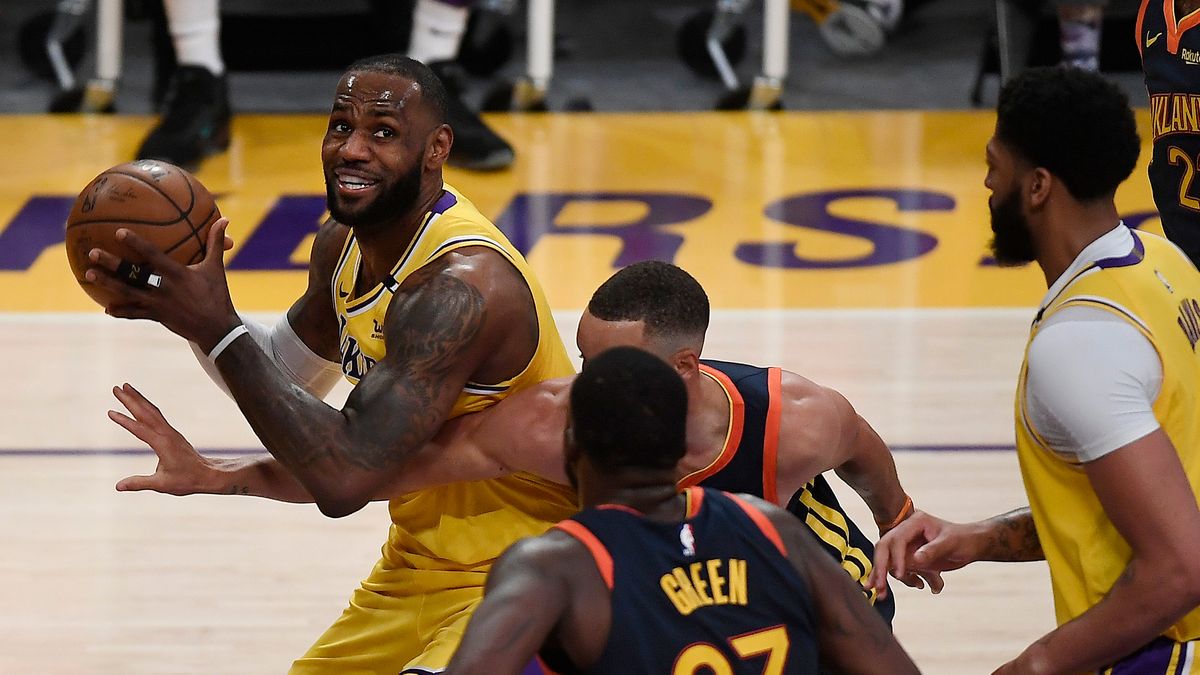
1012,537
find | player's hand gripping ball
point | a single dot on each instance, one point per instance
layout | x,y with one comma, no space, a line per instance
160,202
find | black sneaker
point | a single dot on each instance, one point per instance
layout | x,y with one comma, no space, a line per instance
195,119
476,147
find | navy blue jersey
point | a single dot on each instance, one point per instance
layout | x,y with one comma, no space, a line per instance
713,593
747,465
1170,48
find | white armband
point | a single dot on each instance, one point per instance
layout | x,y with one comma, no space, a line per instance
288,352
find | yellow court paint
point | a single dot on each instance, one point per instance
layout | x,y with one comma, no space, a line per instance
768,210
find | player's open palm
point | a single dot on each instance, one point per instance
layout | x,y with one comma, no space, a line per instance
181,470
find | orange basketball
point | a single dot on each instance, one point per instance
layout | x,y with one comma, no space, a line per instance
160,202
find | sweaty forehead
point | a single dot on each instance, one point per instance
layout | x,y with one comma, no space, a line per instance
383,90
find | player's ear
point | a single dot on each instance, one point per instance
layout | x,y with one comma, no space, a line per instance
439,146
1040,182
686,362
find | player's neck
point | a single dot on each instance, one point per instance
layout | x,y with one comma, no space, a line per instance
652,493
1185,7
1065,234
382,247
707,424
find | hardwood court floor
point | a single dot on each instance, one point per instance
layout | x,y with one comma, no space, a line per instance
846,247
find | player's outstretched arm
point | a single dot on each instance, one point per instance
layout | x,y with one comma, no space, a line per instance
522,433
820,431
529,591
853,638
924,546
1145,493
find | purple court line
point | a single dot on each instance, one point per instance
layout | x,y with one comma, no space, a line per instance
240,452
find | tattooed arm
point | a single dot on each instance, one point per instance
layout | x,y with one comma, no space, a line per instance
449,322
924,546
852,636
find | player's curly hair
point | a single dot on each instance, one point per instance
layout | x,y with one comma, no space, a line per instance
667,299
1075,124
629,410
433,91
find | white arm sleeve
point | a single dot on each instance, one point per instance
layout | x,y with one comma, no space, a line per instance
281,344
1091,385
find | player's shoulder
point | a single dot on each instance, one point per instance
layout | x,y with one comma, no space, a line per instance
810,402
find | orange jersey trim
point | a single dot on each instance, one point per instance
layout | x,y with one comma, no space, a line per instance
771,435
737,419
1176,30
695,497
604,561
1137,27
760,519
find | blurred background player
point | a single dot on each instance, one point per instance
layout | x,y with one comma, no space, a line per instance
1170,47
1079,27
649,580
196,114
1108,399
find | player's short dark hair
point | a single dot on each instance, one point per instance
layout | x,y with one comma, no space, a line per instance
433,91
629,410
1074,123
667,299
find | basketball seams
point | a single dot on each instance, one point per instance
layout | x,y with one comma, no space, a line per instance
123,203
154,186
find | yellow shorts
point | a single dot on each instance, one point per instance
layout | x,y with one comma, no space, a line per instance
384,633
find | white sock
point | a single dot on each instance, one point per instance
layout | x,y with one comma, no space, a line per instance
437,31
196,33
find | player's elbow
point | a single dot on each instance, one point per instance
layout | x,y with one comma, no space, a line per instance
1190,583
339,499
1177,576
339,508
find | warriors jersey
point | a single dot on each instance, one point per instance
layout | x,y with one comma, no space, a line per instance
1170,48
462,526
747,464
1157,291
714,593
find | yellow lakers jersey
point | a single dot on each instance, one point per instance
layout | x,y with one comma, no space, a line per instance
1156,290
464,526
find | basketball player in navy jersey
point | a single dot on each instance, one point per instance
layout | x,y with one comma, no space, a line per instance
1170,46
650,580
762,431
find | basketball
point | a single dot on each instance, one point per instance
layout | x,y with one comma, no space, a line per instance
160,202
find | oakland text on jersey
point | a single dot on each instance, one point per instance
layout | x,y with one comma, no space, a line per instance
1175,114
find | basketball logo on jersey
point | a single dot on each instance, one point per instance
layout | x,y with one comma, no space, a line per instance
688,538
1189,320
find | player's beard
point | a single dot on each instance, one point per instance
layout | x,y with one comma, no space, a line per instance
1012,245
395,200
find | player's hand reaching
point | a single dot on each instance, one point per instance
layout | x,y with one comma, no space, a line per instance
919,549
181,470
191,301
